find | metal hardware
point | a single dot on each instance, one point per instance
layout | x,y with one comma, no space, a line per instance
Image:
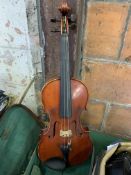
72,22
67,133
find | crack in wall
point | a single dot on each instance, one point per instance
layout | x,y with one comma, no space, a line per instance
124,33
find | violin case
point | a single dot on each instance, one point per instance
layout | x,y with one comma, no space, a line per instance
19,135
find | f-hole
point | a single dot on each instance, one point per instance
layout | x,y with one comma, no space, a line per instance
55,130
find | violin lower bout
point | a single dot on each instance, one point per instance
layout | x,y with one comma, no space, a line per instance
80,148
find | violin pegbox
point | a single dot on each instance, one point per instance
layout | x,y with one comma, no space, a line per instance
65,10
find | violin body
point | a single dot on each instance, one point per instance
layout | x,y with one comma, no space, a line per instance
51,139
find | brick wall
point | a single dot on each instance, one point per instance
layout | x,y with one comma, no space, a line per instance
106,66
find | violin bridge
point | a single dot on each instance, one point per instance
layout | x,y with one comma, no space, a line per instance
67,133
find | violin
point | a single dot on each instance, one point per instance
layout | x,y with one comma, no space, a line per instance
64,143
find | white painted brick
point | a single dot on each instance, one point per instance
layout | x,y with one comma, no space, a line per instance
13,24
30,99
31,10
15,66
16,91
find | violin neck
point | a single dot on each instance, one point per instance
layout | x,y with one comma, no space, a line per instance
65,81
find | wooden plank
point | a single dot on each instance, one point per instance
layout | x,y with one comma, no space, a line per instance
49,9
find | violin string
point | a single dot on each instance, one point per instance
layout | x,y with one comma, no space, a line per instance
67,78
64,86
67,83
61,69
64,95
62,79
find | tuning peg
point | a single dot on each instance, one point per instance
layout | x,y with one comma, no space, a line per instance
54,20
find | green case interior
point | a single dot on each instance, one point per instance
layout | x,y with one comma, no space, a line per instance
19,134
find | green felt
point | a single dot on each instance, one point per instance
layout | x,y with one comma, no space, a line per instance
36,170
100,141
19,134
18,137
32,166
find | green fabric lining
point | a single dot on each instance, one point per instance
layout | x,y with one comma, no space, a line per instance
19,134
100,141
18,137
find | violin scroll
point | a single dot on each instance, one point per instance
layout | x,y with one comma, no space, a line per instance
64,8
